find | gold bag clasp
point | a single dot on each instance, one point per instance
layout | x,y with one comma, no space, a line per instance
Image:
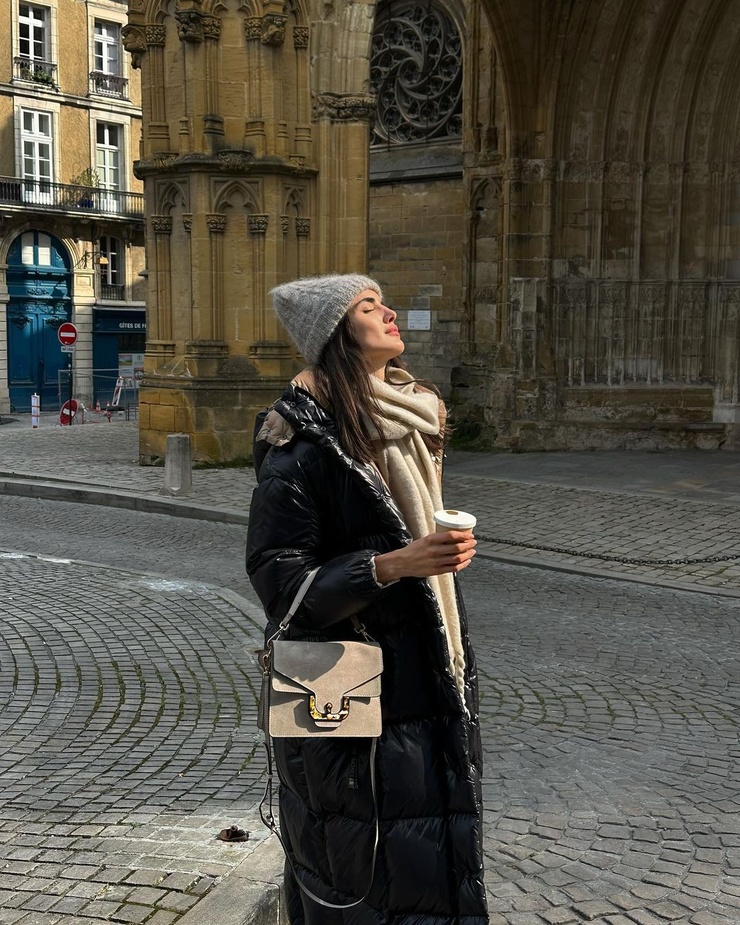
327,716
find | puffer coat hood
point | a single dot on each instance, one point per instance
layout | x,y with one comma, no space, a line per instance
316,506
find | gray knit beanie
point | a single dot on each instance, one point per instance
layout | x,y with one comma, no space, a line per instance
311,308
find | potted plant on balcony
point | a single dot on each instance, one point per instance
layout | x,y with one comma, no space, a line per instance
42,76
82,188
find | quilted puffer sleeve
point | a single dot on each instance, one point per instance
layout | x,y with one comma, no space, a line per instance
283,545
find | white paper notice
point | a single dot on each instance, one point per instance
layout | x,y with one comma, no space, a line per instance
419,321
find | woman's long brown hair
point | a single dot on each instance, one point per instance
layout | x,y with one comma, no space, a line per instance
343,387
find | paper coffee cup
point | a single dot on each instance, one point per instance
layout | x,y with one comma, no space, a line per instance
453,520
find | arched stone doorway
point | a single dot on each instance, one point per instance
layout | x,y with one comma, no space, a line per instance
39,286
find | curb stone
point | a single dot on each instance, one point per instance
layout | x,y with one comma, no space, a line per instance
111,497
589,571
250,895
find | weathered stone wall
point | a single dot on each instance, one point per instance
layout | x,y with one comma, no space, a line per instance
416,251
579,265
609,187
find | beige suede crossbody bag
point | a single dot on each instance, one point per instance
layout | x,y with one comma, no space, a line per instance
329,689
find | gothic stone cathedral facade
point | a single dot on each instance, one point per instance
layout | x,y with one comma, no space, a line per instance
548,191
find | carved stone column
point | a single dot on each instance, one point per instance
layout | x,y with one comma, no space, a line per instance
257,231
213,123
157,131
160,334
342,133
216,227
259,152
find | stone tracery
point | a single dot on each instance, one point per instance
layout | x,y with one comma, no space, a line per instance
416,73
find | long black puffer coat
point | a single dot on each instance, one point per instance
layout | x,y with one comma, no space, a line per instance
314,505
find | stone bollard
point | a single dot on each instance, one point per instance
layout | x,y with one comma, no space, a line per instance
178,464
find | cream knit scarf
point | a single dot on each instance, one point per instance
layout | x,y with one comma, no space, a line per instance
412,476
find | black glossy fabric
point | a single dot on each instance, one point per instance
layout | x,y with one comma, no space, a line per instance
315,506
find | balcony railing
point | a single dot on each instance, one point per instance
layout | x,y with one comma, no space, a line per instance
40,72
104,84
112,292
42,194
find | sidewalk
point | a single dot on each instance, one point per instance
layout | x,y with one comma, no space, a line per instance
646,506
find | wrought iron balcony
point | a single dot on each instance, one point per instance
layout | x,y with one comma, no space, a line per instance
112,292
103,84
40,72
66,197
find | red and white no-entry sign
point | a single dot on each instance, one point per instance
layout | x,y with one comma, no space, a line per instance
67,334
68,411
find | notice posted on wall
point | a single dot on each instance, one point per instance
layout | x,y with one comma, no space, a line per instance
419,320
131,368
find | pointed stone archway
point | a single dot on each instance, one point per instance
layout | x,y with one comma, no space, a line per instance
614,317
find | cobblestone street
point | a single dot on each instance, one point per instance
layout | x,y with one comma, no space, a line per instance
127,713
127,701
610,727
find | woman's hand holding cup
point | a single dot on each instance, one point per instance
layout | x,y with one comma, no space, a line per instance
450,549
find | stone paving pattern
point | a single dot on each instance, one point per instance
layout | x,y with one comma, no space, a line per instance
610,709
127,736
610,717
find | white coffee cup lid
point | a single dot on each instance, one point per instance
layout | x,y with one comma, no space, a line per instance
455,520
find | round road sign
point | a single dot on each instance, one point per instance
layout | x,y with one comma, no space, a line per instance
67,334
67,412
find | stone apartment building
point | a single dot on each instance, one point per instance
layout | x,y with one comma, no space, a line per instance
71,210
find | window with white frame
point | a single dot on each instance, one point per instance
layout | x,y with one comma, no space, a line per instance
107,78
37,146
107,48
35,249
34,46
108,163
33,32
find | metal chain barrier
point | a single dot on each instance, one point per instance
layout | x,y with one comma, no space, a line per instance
606,557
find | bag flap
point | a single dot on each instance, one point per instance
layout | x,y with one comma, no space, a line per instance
287,685
329,670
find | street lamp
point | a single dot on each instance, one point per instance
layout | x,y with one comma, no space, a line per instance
96,258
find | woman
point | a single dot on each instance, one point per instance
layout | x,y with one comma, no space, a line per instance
348,464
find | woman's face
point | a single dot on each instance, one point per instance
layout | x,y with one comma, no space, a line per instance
374,327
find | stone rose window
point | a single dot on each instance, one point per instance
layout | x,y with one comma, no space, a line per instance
416,74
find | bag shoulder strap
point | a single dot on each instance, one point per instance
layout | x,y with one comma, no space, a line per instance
299,595
269,820
265,807
296,603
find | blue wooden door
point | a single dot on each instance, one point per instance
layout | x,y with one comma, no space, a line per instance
39,284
